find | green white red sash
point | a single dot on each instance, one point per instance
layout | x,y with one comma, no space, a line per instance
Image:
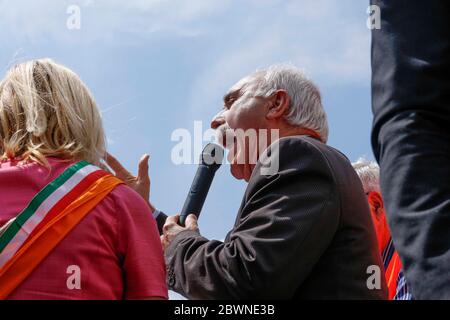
24,224
51,214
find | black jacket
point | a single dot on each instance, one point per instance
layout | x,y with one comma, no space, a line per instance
304,232
411,136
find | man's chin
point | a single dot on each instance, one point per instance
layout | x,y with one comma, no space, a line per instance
238,172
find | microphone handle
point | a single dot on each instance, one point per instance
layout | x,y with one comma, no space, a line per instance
195,198
198,192
160,218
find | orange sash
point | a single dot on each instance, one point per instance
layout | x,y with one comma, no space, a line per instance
34,251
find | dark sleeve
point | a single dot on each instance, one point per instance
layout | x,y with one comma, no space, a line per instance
286,222
410,136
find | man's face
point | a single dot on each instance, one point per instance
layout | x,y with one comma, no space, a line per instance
379,219
242,112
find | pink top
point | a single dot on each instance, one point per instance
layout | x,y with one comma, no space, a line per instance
115,249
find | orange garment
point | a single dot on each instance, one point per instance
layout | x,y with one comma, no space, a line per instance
42,243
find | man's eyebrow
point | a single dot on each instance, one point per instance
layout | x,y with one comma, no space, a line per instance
230,95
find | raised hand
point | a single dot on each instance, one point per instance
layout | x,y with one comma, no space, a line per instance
141,183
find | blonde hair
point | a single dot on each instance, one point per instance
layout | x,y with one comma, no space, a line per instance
47,111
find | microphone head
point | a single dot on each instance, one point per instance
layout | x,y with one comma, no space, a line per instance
212,155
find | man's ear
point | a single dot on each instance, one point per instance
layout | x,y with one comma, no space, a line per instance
375,202
279,105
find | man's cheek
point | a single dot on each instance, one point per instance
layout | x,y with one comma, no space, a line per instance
231,119
236,116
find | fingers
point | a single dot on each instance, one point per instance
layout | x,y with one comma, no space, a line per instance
172,219
170,222
143,168
192,222
116,166
163,242
171,228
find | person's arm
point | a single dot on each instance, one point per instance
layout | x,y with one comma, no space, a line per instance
139,248
287,222
410,137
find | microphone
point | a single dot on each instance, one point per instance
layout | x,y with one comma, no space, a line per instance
160,218
210,161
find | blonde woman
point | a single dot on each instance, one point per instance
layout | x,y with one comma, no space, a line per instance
68,229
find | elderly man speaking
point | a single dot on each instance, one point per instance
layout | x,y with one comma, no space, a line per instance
303,231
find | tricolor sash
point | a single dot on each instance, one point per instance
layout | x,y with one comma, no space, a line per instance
26,240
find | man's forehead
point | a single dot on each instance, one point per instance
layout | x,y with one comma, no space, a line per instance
242,84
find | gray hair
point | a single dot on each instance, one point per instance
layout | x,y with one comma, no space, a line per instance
306,108
369,173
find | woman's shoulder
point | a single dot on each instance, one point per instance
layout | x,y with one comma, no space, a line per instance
124,192
126,199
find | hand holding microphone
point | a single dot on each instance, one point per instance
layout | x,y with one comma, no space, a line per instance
172,228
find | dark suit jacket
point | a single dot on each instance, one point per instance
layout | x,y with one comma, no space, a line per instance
304,232
411,136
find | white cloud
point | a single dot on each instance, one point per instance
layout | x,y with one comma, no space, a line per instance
329,41
103,20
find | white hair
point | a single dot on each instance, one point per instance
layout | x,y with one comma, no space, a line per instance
369,173
306,108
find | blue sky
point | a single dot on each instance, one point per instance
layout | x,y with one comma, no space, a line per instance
158,65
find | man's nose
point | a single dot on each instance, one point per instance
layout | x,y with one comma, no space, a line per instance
217,121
